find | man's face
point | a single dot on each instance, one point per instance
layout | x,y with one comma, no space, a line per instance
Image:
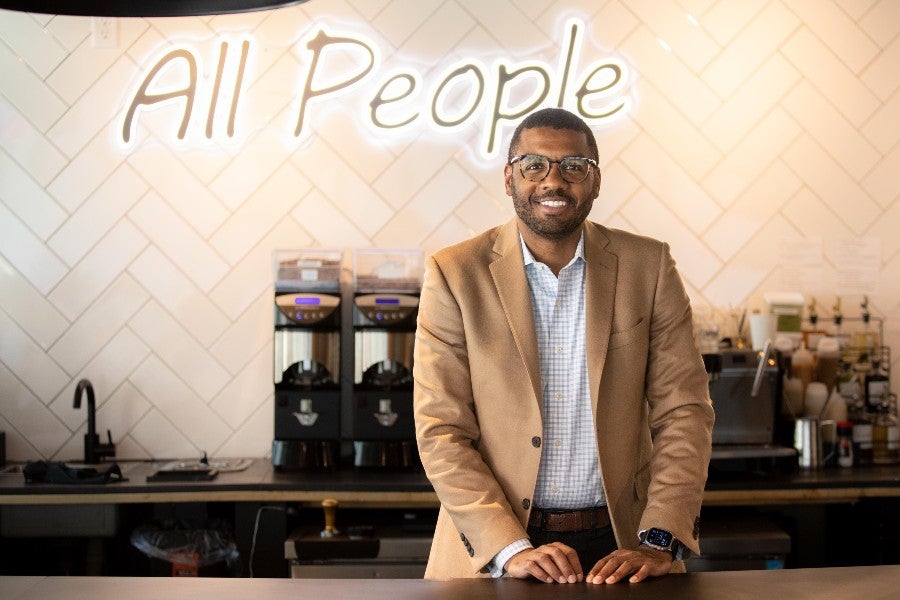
552,208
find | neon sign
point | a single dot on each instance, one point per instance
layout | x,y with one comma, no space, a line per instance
466,93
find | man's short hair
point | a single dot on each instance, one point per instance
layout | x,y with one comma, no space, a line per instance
555,118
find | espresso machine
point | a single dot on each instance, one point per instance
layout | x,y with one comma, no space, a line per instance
745,395
307,359
386,287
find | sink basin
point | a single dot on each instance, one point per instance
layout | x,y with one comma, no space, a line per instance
222,465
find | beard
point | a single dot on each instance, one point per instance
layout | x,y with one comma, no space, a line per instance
554,227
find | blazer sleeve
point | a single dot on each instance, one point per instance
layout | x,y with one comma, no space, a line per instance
447,427
680,412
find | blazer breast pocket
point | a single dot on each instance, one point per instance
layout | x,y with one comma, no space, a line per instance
628,336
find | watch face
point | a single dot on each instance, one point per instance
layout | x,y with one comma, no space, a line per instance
659,537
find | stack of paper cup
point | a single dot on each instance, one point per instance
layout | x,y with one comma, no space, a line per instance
762,328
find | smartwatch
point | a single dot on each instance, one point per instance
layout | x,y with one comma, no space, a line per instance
660,539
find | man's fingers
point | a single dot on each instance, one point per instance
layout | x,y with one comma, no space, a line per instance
640,575
639,564
548,563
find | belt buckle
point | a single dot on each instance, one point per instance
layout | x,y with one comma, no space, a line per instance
545,518
561,519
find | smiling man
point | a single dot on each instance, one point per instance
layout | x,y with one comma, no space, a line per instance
562,410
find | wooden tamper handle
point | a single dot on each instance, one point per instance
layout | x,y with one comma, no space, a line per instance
329,506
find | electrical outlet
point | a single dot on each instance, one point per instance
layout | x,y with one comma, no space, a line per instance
104,32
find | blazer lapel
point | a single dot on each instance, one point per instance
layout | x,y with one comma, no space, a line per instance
600,288
508,272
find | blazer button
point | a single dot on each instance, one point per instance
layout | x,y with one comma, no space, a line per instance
526,503
536,441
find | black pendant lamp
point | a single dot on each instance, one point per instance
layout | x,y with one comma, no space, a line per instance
142,8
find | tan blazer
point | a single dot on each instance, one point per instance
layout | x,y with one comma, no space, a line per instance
477,393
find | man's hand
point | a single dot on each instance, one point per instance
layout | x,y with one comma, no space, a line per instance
640,563
547,563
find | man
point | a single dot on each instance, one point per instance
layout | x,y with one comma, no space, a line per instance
562,410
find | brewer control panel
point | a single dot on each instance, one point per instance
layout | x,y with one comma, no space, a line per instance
307,308
386,308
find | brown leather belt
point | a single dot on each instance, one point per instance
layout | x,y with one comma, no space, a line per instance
569,520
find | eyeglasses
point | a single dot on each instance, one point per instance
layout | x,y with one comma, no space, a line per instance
535,167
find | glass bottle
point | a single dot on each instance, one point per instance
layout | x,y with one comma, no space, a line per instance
848,386
877,386
885,436
861,434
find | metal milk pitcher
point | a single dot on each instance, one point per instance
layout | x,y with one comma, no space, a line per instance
808,441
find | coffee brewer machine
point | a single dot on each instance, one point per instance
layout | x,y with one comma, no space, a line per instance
385,305
307,359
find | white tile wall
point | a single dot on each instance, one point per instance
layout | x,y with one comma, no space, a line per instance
877,19
91,221
148,269
260,211
27,91
755,151
99,268
27,199
752,47
85,172
831,130
185,247
88,335
26,252
756,96
37,155
669,22
823,69
838,30
28,307
688,92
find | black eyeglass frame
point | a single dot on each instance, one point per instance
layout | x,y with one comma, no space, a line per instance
591,163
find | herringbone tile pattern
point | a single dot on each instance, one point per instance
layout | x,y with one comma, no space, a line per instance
147,269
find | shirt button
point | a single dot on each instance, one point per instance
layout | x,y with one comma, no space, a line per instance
554,489
558,349
526,503
558,396
536,442
557,443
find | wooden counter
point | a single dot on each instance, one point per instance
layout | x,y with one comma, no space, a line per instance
871,583
260,483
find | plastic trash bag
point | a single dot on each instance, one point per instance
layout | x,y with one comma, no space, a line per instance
182,543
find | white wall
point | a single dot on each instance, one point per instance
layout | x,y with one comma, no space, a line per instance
753,125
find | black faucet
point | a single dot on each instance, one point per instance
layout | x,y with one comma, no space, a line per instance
94,451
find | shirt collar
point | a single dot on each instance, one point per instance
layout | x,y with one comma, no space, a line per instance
529,257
